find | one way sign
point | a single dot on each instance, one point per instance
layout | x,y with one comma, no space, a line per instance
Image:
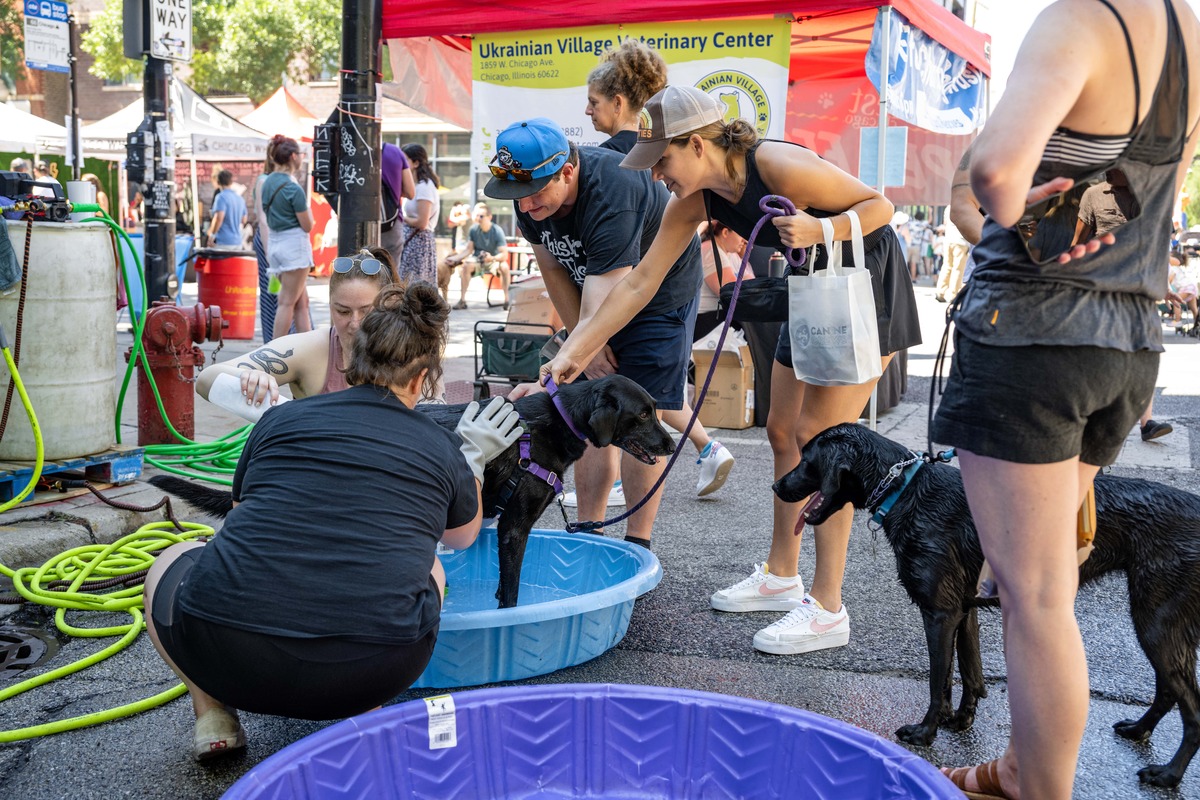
171,29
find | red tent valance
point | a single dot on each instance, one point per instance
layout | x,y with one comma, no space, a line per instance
450,18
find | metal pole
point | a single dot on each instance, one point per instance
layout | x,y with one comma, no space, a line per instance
159,191
885,64
72,59
359,145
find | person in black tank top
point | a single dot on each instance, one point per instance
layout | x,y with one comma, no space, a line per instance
685,141
1036,401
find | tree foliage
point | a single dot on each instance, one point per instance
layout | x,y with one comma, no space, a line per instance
239,45
12,44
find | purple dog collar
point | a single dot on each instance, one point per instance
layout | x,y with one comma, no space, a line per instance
552,389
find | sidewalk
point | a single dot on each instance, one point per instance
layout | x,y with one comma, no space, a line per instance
31,534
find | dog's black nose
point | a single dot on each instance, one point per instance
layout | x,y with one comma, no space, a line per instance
777,486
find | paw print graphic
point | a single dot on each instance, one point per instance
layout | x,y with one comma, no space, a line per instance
825,100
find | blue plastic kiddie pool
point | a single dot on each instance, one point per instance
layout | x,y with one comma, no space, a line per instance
592,741
577,593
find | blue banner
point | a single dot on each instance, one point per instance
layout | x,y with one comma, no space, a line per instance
928,85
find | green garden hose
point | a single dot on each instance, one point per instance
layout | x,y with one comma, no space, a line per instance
124,557
33,421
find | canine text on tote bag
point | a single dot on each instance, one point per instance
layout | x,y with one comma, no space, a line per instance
831,317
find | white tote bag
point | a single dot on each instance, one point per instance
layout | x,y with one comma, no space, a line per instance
831,318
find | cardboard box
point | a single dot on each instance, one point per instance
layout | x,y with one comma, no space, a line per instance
528,301
730,399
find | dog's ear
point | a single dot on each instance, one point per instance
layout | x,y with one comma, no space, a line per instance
603,422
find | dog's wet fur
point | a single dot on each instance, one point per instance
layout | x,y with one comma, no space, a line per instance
1148,530
610,411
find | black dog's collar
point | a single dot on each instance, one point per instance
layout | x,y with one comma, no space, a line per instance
909,472
552,390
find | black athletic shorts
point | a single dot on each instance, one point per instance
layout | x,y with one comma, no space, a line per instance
1043,404
303,678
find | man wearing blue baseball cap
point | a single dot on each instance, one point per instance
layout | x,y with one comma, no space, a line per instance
590,222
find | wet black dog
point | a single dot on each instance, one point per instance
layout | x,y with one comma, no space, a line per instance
613,410
1149,531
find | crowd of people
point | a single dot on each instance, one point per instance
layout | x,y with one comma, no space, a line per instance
633,239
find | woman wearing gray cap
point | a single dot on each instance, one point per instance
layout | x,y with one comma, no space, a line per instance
720,170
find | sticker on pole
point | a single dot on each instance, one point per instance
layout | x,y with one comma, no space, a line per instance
171,29
47,36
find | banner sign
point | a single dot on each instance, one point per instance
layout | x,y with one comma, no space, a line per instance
523,74
928,85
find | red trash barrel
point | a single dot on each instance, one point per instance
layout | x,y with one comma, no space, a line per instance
229,279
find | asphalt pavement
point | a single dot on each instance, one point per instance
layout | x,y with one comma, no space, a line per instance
878,681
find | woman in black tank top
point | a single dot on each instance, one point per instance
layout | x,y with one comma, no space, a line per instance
1036,403
686,142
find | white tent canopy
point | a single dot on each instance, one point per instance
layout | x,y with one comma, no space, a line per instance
21,131
201,131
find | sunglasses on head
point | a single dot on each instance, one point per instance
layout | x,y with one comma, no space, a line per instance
368,266
518,174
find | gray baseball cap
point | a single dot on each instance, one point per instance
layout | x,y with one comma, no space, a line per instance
675,111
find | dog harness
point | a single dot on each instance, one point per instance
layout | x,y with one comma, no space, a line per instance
527,466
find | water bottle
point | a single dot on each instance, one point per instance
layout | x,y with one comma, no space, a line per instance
226,393
777,265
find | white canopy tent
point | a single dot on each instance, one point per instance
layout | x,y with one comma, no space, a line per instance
23,132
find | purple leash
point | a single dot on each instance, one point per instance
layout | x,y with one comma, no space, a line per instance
772,205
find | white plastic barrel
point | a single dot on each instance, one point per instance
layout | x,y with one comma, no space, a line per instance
68,341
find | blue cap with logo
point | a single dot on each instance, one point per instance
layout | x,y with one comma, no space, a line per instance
528,155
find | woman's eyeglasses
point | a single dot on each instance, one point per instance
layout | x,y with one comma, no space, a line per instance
368,266
517,173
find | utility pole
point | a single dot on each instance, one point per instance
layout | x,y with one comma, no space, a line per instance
357,147
162,33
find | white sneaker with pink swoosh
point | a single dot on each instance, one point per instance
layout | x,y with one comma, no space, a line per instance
762,591
806,628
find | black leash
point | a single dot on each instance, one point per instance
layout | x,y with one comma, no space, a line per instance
772,206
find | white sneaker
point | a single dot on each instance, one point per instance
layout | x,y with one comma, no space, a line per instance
715,463
760,592
217,733
616,497
806,628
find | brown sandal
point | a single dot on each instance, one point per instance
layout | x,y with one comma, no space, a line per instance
988,777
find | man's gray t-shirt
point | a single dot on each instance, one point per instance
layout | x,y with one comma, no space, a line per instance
489,241
613,223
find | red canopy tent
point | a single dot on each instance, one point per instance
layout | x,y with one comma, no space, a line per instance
829,101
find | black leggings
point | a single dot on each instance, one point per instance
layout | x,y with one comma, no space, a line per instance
303,678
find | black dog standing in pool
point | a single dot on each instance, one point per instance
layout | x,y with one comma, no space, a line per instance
1148,530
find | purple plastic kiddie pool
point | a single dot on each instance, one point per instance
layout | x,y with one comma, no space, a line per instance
592,741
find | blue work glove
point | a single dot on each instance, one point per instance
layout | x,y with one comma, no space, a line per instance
487,434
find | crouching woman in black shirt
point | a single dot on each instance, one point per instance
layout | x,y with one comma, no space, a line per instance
321,596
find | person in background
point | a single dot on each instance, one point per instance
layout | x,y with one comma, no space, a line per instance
486,250
396,186
20,165
722,167
458,220
257,217
1056,358
42,174
246,639
229,214
101,197
289,251
418,260
617,89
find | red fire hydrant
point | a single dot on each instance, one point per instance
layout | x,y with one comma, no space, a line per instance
169,337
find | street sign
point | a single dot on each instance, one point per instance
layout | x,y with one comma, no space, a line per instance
171,29
47,36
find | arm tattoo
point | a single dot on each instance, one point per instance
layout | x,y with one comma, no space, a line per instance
267,360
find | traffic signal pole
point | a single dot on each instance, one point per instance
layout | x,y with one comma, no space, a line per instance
358,142
159,185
